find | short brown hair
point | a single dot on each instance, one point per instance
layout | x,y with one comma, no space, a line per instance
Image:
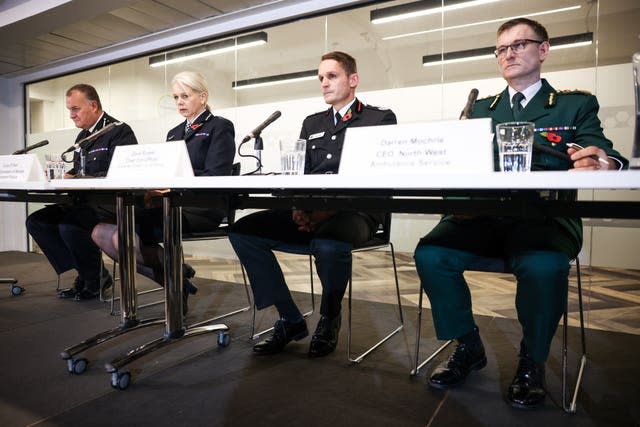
89,92
347,61
537,27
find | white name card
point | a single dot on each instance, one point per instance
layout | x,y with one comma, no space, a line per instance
21,168
166,159
418,148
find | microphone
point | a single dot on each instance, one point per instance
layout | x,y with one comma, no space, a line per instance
272,118
96,134
468,108
31,147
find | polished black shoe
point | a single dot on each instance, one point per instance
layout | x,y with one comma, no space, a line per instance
67,293
86,294
187,271
453,372
188,288
325,338
106,282
527,389
283,333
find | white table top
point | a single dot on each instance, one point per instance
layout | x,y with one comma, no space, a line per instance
551,180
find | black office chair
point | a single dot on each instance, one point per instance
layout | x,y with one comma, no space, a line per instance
497,265
379,241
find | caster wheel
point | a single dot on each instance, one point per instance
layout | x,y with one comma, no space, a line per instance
17,290
79,366
224,339
120,380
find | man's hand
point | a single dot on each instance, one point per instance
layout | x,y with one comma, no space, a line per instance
589,159
310,220
150,195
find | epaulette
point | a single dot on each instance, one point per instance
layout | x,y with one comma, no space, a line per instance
318,113
573,92
494,100
373,107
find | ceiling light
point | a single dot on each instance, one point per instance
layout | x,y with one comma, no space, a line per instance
563,42
490,21
213,48
275,80
421,8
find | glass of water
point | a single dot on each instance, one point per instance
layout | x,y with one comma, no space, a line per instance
292,155
515,143
55,166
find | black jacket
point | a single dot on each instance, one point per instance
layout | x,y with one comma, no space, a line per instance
99,151
210,143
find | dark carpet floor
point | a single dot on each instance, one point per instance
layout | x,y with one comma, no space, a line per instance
197,383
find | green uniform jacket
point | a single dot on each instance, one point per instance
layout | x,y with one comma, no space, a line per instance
559,117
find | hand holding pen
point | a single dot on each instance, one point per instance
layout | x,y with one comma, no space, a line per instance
589,158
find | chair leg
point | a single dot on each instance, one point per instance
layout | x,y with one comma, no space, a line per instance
114,298
58,283
417,364
571,408
361,357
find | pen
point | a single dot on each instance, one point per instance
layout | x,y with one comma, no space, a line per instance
594,157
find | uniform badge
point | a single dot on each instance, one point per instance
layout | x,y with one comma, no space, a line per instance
316,135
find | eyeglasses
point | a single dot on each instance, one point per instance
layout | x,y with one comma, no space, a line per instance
516,47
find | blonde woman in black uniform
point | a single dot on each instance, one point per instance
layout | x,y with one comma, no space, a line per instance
211,146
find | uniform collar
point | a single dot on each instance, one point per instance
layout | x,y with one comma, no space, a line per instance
528,93
95,125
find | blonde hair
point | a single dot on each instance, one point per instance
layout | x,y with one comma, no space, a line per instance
193,80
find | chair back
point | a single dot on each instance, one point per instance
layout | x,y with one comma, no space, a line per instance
226,222
382,236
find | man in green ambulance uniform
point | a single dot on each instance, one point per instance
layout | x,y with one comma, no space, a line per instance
537,250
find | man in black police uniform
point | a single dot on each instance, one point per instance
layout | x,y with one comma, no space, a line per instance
329,236
63,232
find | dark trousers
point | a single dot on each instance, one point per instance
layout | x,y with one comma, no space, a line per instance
256,236
535,251
64,235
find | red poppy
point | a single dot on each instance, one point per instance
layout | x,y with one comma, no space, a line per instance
554,138
347,116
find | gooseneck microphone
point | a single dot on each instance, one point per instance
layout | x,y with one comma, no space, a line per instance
94,135
31,147
272,118
468,108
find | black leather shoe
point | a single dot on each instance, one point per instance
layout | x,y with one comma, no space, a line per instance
527,388
188,288
67,293
106,282
325,338
187,271
86,294
453,372
283,333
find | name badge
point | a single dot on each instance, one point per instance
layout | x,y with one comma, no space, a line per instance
316,135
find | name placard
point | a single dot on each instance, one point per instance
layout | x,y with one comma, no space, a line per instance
166,159
21,168
418,148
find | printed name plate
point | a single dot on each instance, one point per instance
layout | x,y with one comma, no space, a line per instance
21,168
165,159
418,148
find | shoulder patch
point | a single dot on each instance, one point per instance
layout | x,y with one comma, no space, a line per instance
573,92
373,107
319,113
487,98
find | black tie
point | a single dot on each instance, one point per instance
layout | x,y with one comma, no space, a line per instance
516,106
338,118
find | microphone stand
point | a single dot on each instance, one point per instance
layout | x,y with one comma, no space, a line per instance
258,146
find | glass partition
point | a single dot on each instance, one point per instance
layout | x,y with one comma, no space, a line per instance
404,64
